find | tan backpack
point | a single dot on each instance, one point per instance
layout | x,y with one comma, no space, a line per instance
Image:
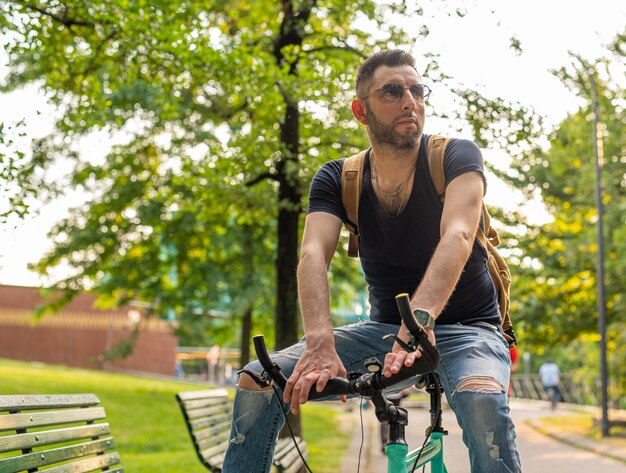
351,179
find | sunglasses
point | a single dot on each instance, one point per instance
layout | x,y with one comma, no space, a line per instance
395,92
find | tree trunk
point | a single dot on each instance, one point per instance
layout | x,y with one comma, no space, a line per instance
289,196
246,333
246,322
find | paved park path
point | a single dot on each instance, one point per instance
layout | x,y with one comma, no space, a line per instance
540,453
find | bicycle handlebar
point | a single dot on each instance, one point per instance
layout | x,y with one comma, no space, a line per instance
369,382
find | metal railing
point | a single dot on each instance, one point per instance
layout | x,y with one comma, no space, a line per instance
527,386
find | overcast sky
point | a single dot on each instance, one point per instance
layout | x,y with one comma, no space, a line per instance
474,50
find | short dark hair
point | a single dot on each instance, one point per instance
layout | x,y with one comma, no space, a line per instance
389,58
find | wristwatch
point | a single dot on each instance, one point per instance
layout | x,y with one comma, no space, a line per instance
424,318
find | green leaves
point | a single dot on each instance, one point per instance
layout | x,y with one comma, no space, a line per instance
556,286
18,190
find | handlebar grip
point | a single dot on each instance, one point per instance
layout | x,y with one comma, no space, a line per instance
429,352
404,307
261,352
272,369
334,387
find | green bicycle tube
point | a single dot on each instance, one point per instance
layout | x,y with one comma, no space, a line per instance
396,457
431,453
437,465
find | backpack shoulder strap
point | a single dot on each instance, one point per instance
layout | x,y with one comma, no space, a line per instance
351,179
436,149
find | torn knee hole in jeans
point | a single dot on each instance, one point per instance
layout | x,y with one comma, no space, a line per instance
494,450
484,384
239,438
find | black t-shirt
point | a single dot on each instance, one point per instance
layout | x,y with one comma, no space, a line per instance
395,251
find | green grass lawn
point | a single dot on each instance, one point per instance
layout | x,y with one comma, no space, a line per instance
145,419
586,424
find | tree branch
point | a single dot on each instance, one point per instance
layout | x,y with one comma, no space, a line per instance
64,20
345,47
261,177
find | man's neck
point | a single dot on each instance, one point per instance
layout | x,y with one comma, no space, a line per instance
393,163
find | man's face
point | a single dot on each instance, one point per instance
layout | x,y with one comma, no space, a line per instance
394,121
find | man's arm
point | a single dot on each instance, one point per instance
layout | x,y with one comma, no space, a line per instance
459,222
320,361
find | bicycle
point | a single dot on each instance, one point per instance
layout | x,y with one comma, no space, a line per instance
372,385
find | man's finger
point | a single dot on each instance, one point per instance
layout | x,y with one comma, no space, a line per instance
397,363
305,387
411,357
287,393
295,398
323,380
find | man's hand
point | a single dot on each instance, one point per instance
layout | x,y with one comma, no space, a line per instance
399,356
316,365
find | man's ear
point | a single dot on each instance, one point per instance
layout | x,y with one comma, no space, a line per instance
358,110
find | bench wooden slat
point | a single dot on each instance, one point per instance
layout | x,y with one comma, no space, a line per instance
292,457
210,449
287,457
206,444
202,403
14,403
213,431
38,439
208,411
200,424
89,464
41,458
215,463
48,418
203,394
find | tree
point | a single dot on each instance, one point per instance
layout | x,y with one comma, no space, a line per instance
274,72
556,297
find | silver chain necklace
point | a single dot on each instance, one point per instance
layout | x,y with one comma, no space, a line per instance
395,206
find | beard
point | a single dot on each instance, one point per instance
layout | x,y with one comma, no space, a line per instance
385,134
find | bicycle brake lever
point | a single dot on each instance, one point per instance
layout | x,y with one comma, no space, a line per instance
262,381
410,347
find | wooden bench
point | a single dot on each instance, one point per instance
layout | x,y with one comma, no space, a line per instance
208,414
57,431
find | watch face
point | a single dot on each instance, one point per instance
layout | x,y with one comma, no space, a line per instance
423,317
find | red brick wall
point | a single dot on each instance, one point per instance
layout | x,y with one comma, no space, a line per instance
155,352
80,334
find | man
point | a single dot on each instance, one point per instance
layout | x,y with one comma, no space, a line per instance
551,378
409,242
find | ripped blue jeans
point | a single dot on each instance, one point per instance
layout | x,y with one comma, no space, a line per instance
474,371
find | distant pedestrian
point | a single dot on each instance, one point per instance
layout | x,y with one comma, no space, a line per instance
551,378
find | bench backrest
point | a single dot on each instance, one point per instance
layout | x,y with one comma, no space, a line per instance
64,432
207,414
